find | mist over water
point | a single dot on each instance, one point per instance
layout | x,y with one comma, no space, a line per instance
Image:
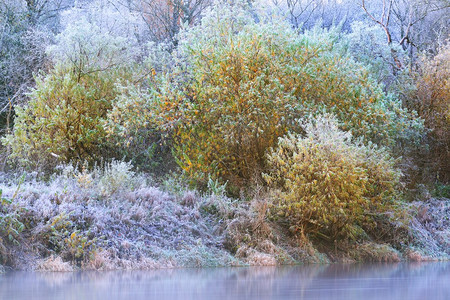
351,281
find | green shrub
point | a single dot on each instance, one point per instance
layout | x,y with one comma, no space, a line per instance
240,85
442,190
10,224
62,237
132,126
66,110
326,182
63,119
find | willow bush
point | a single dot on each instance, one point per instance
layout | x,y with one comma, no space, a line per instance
137,124
326,182
432,102
241,84
131,127
64,117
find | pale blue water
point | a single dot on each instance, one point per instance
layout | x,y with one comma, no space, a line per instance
405,281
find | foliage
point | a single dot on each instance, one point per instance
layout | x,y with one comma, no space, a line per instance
239,85
63,119
71,217
112,17
10,224
367,44
86,48
64,238
132,126
442,190
25,31
165,18
326,182
105,180
432,103
134,123
114,177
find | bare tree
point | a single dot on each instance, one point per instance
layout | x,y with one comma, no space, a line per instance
25,26
421,25
385,22
298,11
401,18
165,17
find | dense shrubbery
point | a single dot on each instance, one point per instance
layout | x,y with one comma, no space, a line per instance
432,102
326,182
63,120
308,124
133,126
64,117
109,218
10,225
229,91
366,42
243,84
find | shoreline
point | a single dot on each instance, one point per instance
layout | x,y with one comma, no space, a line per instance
7,269
69,226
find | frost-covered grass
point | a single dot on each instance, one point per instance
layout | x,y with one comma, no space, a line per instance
110,217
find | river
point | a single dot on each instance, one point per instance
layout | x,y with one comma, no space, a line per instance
405,281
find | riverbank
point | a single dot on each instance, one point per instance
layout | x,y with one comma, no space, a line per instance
128,221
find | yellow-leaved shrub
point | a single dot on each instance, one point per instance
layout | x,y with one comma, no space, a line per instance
239,85
63,120
432,103
325,182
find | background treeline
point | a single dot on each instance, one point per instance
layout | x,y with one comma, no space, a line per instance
335,107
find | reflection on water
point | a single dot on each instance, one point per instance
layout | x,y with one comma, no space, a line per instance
352,281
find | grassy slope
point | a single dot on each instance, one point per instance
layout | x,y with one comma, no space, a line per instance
80,220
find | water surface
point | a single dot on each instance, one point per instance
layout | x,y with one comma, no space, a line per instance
421,281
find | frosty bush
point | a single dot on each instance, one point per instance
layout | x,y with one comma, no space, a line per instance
367,44
63,119
115,176
326,182
241,84
132,126
432,102
132,122
10,224
85,48
103,181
